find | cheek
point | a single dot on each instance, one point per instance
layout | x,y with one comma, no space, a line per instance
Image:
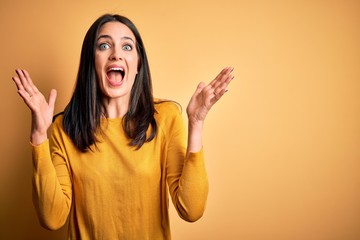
135,61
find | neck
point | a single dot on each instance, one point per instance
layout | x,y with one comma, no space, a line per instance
115,108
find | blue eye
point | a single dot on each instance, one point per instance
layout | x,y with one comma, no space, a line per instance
127,47
104,46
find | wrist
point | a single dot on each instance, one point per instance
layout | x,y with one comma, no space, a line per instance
195,125
195,136
36,138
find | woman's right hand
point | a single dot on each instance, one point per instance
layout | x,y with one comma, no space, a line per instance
42,111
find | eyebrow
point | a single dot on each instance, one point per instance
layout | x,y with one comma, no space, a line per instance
108,36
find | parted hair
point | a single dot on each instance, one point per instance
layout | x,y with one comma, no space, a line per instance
82,115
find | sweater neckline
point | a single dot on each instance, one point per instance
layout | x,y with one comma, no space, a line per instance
112,120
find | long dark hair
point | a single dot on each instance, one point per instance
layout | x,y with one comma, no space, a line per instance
82,116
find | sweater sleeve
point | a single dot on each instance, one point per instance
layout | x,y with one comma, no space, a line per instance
52,187
186,177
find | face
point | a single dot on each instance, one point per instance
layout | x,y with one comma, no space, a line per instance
116,60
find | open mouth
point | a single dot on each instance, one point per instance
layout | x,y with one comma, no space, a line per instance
115,75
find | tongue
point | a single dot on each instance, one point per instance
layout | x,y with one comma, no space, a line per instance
114,76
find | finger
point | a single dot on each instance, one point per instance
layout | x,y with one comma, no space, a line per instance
221,90
35,89
17,83
23,81
199,88
222,76
26,98
208,91
209,95
52,98
26,82
221,93
20,87
217,96
225,75
222,80
222,72
223,85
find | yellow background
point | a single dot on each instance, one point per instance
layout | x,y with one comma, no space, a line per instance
283,145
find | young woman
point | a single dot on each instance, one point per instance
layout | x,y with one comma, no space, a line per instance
115,152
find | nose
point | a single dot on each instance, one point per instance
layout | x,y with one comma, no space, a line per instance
116,55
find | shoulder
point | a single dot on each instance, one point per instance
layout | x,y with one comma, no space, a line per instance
165,109
167,113
57,124
58,118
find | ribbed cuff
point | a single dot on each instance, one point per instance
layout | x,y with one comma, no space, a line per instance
42,158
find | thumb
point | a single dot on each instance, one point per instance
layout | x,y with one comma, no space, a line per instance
199,88
52,97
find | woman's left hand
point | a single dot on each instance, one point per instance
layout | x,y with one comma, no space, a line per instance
206,96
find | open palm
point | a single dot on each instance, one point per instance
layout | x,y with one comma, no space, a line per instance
206,96
41,110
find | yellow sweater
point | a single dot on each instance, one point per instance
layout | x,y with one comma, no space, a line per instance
117,192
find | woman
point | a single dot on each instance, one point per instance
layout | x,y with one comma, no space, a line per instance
115,152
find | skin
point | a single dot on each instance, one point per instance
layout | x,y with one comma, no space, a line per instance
113,49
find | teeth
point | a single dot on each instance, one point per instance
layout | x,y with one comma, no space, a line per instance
116,69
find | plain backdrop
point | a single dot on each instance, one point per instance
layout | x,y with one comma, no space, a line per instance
283,145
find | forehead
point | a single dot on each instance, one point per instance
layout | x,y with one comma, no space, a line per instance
116,30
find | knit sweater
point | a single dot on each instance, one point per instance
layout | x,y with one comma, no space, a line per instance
116,191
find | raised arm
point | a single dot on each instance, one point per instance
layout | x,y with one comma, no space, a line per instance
41,110
187,178
52,189
200,104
